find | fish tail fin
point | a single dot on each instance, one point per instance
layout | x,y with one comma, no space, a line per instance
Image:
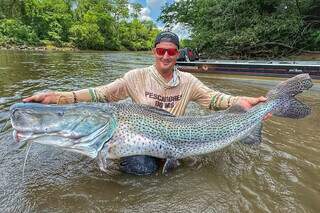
285,92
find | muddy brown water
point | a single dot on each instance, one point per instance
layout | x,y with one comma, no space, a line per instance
280,175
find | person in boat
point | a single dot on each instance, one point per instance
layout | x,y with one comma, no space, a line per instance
160,85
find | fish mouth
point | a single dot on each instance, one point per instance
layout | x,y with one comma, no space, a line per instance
21,137
79,128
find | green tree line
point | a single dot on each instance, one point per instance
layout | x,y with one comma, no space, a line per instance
248,28
86,24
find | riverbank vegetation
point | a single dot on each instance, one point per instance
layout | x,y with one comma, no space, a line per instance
248,28
84,24
218,28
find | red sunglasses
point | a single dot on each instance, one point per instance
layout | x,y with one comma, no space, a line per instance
170,51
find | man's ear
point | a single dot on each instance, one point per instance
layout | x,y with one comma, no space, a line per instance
154,51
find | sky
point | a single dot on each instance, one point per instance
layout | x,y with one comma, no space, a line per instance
151,11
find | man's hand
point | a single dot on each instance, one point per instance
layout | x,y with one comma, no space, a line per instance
44,98
249,102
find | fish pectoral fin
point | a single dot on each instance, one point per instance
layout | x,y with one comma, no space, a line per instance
91,144
169,165
255,135
109,166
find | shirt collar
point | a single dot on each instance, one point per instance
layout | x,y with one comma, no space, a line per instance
167,84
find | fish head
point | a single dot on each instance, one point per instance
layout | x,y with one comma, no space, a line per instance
81,128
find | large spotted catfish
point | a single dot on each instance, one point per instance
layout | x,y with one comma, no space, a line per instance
109,131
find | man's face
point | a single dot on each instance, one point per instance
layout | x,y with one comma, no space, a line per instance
166,54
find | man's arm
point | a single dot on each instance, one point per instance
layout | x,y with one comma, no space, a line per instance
215,100
114,91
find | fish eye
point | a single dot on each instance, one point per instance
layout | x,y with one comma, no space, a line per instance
60,113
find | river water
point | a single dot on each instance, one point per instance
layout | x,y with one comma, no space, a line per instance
280,175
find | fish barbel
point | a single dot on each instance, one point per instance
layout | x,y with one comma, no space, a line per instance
114,130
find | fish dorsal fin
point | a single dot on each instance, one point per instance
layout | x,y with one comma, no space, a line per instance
236,109
157,110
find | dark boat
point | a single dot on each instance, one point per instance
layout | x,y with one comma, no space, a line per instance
254,68
188,54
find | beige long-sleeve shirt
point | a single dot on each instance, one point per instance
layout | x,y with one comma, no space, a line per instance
147,86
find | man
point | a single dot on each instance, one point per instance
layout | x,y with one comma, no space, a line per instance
160,85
